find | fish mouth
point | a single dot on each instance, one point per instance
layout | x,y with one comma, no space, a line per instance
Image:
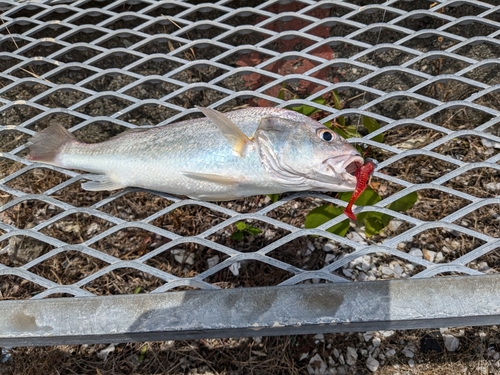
346,166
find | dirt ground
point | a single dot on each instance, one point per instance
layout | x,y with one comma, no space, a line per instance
398,352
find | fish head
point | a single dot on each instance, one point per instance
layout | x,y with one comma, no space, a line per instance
303,154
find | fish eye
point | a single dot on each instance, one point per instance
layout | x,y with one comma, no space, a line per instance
326,135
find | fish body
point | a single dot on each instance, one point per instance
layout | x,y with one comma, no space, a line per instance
220,157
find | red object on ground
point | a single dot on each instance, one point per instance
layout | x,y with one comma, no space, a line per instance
362,174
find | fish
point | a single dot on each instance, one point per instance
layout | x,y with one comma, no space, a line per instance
363,175
223,156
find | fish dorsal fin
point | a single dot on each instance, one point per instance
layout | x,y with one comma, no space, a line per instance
233,134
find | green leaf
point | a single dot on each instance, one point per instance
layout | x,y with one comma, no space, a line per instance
309,110
237,236
137,290
352,130
253,230
404,203
142,353
374,224
281,93
341,132
338,105
274,197
368,197
371,125
240,225
322,214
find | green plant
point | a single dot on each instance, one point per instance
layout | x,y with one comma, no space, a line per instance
374,222
243,230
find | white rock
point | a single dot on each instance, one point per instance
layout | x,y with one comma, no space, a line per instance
319,336
416,252
451,342
303,356
394,225
235,268
483,267
341,370
180,256
367,336
409,351
409,266
411,363
362,276
390,352
310,246
103,354
445,249
439,257
386,333
493,186
341,359
496,356
376,341
329,258
356,237
336,353
351,356
429,255
366,265
387,271
316,365
372,364
213,261
398,271
347,272
329,247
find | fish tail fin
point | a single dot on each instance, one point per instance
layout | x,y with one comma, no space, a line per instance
47,144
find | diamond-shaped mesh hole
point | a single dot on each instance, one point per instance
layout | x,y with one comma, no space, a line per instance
310,252
76,196
98,132
109,82
34,69
489,74
148,114
401,107
459,118
410,137
124,40
488,263
157,66
84,34
480,182
123,281
79,54
152,90
104,106
419,169
116,60
447,245
37,180
435,205
19,250
129,243
29,213
378,267
252,236
484,220
77,228
23,91
468,149
68,267
470,30
250,274
11,139
8,166
189,220
448,91
62,98
187,260
14,287
71,76
135,206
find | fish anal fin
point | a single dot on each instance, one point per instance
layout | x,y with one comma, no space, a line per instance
216,179
236,138
101,183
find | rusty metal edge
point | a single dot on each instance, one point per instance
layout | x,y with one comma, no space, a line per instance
285,310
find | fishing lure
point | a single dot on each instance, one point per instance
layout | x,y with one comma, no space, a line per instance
362,175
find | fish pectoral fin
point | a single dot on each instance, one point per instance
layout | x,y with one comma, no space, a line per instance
236,138
101,182
215,178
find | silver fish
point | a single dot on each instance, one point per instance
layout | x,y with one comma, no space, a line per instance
246,152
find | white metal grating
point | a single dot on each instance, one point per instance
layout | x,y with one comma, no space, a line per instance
121,64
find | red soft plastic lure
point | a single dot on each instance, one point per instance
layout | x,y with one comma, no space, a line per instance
362,175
